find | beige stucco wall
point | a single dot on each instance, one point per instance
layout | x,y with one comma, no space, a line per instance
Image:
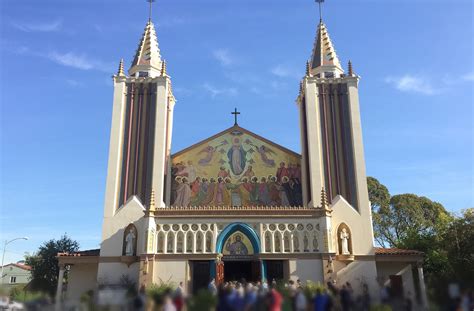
113,228
358,273
82,278
174,271
385,269
359,223
109,273
306,270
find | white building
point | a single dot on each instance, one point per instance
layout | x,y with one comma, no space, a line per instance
15,274
270,212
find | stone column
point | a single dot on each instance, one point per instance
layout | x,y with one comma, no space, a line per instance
421,280
59,289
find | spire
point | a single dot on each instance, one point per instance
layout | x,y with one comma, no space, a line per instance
350,71
324,199
147,60
120,72
324,58
163,68
151,206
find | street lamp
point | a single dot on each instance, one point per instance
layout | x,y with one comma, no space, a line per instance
5,248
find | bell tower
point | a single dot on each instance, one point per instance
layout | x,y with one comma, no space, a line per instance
140,142
331,139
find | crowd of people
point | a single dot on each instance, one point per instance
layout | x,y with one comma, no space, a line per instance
244,296
277,296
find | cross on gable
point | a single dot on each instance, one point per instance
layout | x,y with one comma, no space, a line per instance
235,113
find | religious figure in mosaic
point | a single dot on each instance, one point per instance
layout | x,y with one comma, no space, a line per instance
237,157
237,247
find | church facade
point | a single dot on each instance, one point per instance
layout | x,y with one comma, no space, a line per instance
237,205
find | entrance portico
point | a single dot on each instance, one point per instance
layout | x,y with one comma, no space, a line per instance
240,247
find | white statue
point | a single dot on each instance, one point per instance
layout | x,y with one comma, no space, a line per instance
129,242
344,242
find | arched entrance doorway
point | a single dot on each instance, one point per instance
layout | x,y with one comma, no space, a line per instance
240,246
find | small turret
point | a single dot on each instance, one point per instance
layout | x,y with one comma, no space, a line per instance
121,72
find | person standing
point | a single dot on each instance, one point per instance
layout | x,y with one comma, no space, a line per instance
179,297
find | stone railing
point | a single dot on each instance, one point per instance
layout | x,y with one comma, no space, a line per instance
231,211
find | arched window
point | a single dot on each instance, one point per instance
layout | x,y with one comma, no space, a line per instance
180,242
161,242
189,242
170,243
306,242
277,242
286,242
199,240
268,242
296,242
315,242
208,242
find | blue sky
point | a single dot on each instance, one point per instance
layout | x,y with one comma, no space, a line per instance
57,57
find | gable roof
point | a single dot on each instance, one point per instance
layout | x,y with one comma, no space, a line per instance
23,267
237,128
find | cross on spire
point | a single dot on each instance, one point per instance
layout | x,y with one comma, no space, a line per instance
151,2
235,113
320,9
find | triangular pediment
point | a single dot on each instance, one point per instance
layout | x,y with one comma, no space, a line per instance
236,168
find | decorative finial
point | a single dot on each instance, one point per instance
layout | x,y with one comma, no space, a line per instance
308,68
163,68
301,87
151,207
120,69
151,2
350,70
320,10
324,199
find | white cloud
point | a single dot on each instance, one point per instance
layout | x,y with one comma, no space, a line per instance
52,26
283,71
223,56
412,83
468,77
71,60
214,91
79,61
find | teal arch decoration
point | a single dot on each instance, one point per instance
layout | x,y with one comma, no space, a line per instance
242,227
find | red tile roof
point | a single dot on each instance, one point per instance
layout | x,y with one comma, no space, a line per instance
396,251
89,252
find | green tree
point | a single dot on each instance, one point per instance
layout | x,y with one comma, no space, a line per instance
379,197
404,218
459,244
44,264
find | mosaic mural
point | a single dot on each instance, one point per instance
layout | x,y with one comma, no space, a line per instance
236,169
238,244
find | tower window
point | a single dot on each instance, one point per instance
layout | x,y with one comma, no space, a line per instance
13,279
329,75
142,74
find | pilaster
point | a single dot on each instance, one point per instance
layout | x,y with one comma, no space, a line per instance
314,145
115,147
